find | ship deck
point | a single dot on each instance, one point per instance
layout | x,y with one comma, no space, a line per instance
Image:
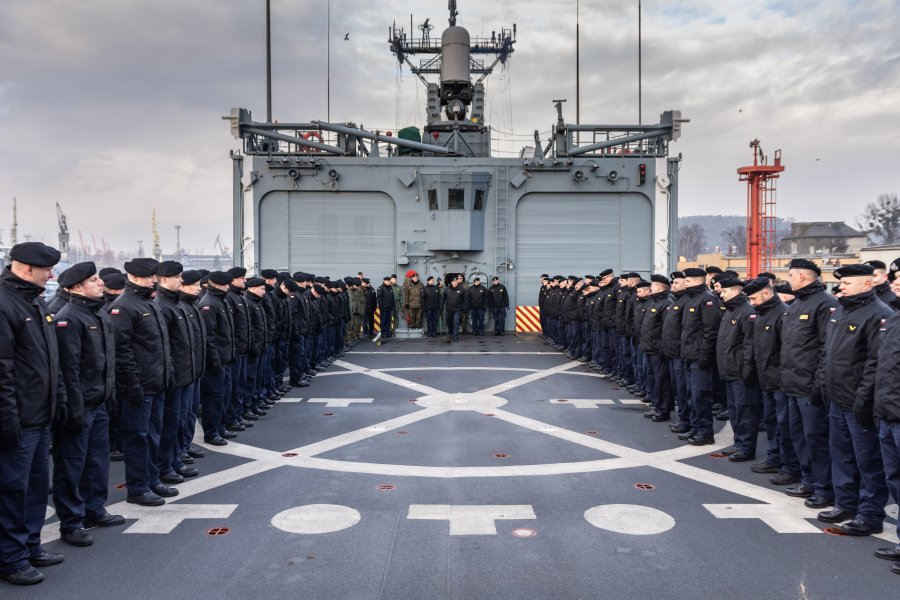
492,468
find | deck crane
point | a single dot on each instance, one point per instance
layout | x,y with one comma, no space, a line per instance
63,232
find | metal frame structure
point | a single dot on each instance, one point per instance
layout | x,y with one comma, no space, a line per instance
761,234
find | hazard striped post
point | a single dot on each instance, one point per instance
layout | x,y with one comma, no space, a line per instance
377,319
528,319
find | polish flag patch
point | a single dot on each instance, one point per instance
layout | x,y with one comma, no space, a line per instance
752,317
114,311
709,303
205,308
62,323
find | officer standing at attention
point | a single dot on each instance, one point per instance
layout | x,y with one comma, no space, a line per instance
87,357
498,300
650,339
371,305
143,376
852,337
431,302
477,297
234,411
802,355
214,392
255,402
32,396
412,299
453,305
113,287
187,300
385,298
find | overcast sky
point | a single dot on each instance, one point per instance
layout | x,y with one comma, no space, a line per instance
112,107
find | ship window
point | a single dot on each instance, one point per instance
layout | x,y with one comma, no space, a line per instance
479,200
432,200
456,199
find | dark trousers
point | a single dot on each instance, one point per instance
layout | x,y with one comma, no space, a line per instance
477,320
249,397
81,470
298,359
266,383
637,362
790,464
499,315
889,436
140,427
699,385
431,321
112,409
608,339
660,382
597,347
585,351
369,323
213,388
856,467
453,319
24,486
173,411
626,366
680,390
809,432
235,404
190,421
385,322
574,338
744,410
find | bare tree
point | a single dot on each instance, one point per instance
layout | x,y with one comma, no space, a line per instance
736,237
881,219
691,240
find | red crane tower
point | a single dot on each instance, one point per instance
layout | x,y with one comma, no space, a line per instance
761,178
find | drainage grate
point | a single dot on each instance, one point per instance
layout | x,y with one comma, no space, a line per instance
501,455
386,487
289,454
592,432
327,414
218,531
644,486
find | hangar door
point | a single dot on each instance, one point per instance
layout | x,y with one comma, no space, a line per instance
577,234
333,234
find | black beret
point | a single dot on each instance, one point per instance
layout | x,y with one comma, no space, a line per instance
76,274
802,263
559,278
642,284
575,279
757,285
495,278
220,278
291,285
589,277
204,280
606,272
319,289
106,271
721,276
731,273
237,272
141,267
322,280
713,269
544,276
268,274
784,288
115,281
572,277
854,271
366,280
255,282
204,272
282,276
479,279
341,284
632,275
169,268
876,264
694,272
430,278
393,275
730,282
298,275
190,277
677,275
660,279
387,278
895,266
348,280
768,275
36,254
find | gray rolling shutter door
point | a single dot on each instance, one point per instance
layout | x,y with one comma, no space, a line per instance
575,234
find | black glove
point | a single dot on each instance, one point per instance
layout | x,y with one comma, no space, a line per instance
815,396
864,415
75,423
11,437
136,397
704,363
61,415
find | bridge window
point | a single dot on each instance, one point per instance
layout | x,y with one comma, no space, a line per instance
432,200
456,199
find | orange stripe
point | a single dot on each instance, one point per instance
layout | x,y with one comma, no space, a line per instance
377,319
527,320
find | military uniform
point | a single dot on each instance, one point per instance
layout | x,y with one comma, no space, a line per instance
650,344
412,300
386,306
454,305
431,302
498,301
477,297
214,387
699,328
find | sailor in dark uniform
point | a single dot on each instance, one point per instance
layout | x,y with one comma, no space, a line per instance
87,356
143,375
235,417
385,298
882,285
214,387
187,300
113,287
255,401
32,396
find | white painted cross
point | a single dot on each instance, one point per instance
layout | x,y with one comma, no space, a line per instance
581,403
472,519
163,519
340,402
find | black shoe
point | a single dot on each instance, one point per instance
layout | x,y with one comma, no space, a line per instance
679,427
186,458
171,477
722,416
25,576
799,491
303,383
784,479
107,520
311,373
701,441
835,515
246,424
686,435
79,537
188,472
216,441
649,414
114,456
816,501
895,568
235,427
148,499
741,456
660,418
196,452
45,559
164,491
250,416
728,451
272,397
258,412
889,553
228,435
764,467
860,528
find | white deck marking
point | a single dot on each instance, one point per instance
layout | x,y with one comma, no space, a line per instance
631,401
631,519
471,519
316,519
580,403
448,353
163,519
503,387
341,402
423,389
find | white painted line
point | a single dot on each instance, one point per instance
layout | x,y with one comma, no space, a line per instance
631,401
891,510
503,387
631,519
581,403
471,519
772,515
316,519
459,353
163,519
387,377
341,402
